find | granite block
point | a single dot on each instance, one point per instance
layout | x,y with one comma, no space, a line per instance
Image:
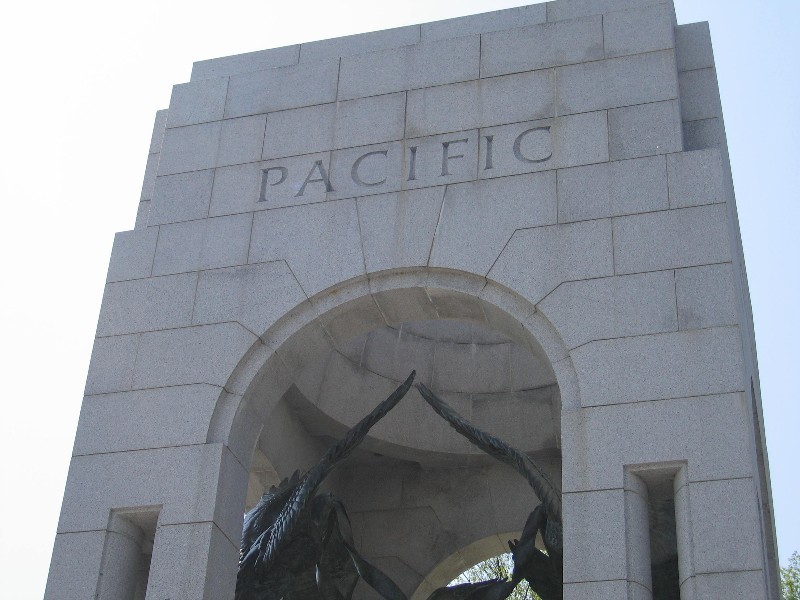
199,354
150,172
142,214
484,23
132,254
706,296
294,86
255,296
491,101
111,365
535,261
749,584
699,94
230,498
300,131
541,46
707,133
378,169
417,539
599,590
643,368
345,325
685,237
462,239
190,148
185,550
543,145
515,413
181,197
658,432
321,242
143,419
612,189
75,565
722,544
241,140
617,82
409,67
639,30
197,102
346,124
610,307
528,372
396,353
645,130
147,304
159,126
239,189
397,229
592,519
443,159
637,530
99,482
204,244
245,63
371,120
693,47
695,178
571,9
360,43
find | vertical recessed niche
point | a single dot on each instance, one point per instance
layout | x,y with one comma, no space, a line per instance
125,567
654,549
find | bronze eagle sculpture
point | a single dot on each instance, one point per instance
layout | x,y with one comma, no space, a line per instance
297,545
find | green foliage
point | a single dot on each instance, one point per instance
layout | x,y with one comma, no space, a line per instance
790,579
501,567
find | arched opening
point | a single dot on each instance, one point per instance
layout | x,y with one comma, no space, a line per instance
453,566
416,492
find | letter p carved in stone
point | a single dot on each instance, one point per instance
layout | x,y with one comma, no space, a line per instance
284,172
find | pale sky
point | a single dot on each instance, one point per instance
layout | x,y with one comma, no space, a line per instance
82,81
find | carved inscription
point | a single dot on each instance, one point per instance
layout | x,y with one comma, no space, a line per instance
408,164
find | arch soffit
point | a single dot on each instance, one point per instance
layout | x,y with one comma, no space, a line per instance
265,372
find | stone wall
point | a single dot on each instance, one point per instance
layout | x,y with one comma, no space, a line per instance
531,207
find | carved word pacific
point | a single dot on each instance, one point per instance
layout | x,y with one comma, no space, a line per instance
408,164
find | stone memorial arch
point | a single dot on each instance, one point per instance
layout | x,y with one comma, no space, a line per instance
533,208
